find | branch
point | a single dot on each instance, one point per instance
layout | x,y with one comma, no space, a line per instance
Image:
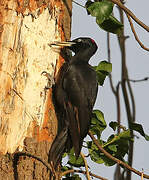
117,96
115,91
86,166
132,101
78,4
135,34
82,172
115,159
109,60
35,157
139,80
127,11
127,102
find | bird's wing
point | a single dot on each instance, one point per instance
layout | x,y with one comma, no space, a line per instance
78,105
92,88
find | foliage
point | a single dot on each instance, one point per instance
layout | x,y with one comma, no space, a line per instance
102,70
102,10
73,161
116,144
139,129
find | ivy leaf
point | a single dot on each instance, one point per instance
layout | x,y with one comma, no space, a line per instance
117,145
73,177
104,66
139,129
98,123
64,168
124,134
95,154
64,155
111,25
113,147
113,125
87,4
73,161
102,70
101,10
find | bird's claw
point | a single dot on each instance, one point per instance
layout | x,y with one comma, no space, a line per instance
50,79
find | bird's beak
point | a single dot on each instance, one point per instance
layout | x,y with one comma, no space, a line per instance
67,43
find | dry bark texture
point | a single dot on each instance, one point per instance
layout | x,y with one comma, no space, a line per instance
27,117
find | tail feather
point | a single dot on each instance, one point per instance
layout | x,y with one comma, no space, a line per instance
58,147
74,128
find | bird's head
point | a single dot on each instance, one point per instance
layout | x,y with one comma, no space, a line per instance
79,44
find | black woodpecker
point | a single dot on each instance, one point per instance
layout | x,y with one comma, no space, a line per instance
74,94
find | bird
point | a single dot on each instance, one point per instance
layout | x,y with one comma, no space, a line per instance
74,95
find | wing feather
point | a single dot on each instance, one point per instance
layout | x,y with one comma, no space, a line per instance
80,100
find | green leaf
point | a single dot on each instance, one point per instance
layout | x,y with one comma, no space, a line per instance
98,156
100,116
104,66
101,77
103,13
102,70
95,154
98,123
139,129
125,134
65,154
101,10
87,4
73,177
116,145
113,147
73,161
113,125
64,168
111,25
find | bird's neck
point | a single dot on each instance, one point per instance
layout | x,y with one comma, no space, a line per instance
83,55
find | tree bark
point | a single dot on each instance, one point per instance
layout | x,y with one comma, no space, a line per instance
28,121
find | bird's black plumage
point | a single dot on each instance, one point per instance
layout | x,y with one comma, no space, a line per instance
74,93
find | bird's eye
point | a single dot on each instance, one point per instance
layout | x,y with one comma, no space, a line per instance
79,40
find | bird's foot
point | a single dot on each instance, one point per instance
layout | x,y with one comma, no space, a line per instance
50,78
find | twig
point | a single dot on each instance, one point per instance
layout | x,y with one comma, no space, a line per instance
82,172
132,101
135,34
115,91
109,60
139,80
127,11
142,175
115,159
78,4
86,166
35,157
127,102
117,96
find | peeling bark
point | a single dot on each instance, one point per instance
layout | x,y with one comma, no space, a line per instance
27,117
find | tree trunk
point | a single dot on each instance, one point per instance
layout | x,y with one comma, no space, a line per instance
28,121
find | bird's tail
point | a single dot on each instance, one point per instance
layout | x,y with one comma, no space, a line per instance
58,148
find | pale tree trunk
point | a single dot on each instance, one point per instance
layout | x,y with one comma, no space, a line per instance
27,117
